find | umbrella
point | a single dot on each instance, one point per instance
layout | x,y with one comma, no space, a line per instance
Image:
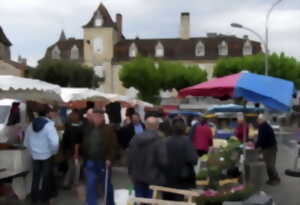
27,89
234,108
274,93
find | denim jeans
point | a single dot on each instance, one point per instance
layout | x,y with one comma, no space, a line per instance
95,173
41,180
142,190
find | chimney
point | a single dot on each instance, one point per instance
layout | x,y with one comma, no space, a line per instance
119,20
185,26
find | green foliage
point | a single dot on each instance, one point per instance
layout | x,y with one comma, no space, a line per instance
65,73
279,66
222,159
149,76
142,74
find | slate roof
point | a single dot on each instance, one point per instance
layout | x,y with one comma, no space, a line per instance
107,20
184,49
65,47
3,38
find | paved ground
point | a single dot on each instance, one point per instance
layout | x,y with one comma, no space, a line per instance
288,193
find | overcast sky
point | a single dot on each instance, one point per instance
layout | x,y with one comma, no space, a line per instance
33,25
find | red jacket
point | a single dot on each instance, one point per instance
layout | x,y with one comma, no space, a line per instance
239,131
203,137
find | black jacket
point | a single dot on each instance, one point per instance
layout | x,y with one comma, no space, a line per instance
181,158
125,135
73,135
146,158
266,137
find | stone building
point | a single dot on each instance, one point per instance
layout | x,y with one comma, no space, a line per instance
4,46
8,66
104,47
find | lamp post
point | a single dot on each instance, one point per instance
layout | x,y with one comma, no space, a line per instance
265,41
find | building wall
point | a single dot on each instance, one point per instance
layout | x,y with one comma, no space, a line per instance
4,52
7,69
109,37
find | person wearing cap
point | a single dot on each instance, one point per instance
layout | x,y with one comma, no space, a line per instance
42,141
99,148
266,141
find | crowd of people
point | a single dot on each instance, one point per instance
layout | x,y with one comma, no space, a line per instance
159,152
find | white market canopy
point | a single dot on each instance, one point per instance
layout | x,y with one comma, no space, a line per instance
82,94
27,89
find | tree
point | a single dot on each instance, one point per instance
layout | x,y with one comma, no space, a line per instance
149,76
141,73
65,73
280,66
178,76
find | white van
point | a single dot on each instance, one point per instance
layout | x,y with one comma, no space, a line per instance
11,133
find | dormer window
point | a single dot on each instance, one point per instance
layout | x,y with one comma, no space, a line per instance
98,19
74,53
223,49
200,49
133,50
56,53
159,50
247,48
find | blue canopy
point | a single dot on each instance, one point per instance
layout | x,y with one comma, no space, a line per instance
274,93
187,113
234,108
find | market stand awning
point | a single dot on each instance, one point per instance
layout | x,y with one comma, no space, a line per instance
274,93
27,89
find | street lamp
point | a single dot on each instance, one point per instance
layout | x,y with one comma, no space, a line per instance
265,41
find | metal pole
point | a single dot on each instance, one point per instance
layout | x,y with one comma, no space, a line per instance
267,36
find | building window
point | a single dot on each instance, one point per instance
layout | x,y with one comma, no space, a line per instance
133,51
56,53
74,53
247,48
98,45
159,50
98,19
223,49
99,71
200,49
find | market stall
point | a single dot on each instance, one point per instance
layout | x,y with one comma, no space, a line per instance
15,161
240,86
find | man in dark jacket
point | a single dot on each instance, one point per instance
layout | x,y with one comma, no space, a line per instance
99,147
146,159
181,159
128,132
71,143
266,141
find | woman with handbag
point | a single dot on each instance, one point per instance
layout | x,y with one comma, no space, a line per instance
181,158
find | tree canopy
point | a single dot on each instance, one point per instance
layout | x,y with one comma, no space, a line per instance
149,76
279,66
65,73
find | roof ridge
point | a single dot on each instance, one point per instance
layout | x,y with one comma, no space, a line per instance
3,38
